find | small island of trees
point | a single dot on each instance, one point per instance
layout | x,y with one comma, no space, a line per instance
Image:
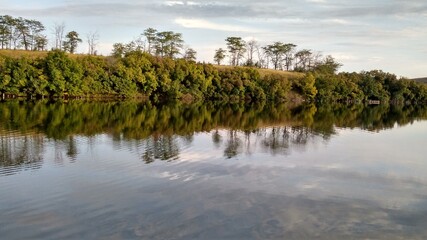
158,65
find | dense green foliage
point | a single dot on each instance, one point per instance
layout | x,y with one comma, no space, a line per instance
136,74
150,67
365,86
140,74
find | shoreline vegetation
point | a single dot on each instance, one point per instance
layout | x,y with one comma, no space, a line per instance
149,68
56,74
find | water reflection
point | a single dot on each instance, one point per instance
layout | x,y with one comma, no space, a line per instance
161,131
130,120
161,148
20,150
123,170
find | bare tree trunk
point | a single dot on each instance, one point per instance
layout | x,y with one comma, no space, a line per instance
92,40
58,31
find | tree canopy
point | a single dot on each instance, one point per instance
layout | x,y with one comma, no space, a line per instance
71,42
236,47
21,33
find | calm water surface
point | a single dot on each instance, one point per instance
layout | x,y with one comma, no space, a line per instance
136,171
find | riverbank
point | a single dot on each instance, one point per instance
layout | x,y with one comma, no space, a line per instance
56,74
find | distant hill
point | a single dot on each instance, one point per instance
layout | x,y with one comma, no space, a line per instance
421,80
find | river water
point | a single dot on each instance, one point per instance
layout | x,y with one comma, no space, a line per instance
128,170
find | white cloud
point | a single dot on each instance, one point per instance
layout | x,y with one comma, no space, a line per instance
173,3
296,20
250,38
344,56
336,21
376,59
203,24
317,1
189,3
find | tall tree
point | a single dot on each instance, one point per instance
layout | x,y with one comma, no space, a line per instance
219,55
190,54
8,24
23,32
289,55
5,31
151,36
71,42
328,65
236,47
251,47
40,42
58,31
19,32
175,44
118,50
35,29
168,44
262,57
92,41
302,59
279,52
139,43
275,51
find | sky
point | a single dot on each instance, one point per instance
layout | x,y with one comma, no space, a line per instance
390,35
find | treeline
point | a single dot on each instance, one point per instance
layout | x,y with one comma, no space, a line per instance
139,74
158,43
28,34
281,56
157,65
373,85
21,33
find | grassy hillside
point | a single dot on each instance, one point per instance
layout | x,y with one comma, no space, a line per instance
264,71
30,54
22,53
38,54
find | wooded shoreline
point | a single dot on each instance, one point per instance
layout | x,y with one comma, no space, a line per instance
138,74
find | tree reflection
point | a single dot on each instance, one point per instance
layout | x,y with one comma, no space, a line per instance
160,131
72,148
232,147
277,140
161,148
216,138
25,151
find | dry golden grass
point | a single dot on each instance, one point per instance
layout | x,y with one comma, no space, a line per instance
22,53
31,54
264,71
41,54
